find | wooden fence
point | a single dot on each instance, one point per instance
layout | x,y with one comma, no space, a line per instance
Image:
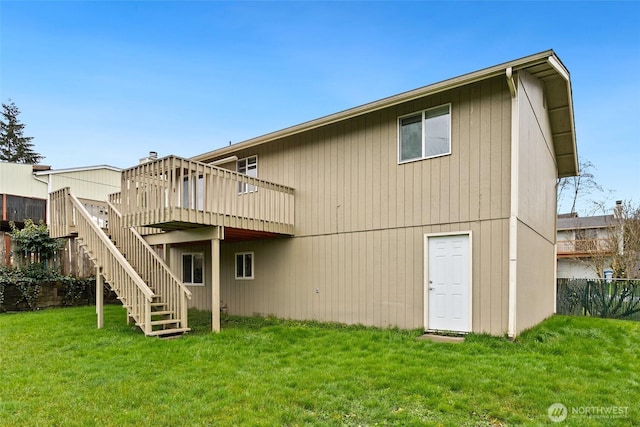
71,260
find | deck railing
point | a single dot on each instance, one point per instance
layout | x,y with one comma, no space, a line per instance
173,193
584,247
69,213
150,266
98,211
61,223
63,216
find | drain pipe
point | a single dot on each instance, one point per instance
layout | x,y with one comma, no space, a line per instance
510,82
513,213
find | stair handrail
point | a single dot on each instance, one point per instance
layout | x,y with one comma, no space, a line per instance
122,277
144,258
161,262
113,250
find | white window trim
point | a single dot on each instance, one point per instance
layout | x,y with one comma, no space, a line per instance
400,161
247,188
203,268
235,265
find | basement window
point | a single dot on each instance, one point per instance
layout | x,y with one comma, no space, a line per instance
425,134
244,265
193,269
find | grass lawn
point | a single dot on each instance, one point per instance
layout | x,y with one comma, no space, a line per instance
56,368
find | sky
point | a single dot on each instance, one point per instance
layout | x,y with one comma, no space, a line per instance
105,82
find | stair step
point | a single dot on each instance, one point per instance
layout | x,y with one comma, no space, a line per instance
158,304
168,333
164,322
161,312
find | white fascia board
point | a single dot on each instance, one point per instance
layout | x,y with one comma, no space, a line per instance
79,169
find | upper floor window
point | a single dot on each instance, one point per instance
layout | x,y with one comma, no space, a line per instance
425,134
193,269
249,167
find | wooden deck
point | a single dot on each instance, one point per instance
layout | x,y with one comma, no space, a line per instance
583,248
176,194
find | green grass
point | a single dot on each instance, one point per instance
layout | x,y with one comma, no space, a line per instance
56,368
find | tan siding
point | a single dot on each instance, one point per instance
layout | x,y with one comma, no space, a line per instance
463,144
485,276
18,180
474,154
201,295
390,164
361,217
485,151
374,278
455,182
537,175
498,276
377,191
332,181
495,161
536,281
537,206
94,184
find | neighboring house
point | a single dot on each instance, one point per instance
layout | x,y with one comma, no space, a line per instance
90,184
21,197
432,209
24,191
584,245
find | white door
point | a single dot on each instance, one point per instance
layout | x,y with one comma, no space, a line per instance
448,284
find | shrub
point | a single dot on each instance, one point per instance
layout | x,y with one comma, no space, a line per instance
30,279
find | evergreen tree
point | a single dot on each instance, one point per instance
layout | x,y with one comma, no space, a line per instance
14,146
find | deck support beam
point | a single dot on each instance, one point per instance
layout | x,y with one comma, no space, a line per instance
99,297
215,281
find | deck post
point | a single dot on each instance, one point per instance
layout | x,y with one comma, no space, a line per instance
99,297
215,283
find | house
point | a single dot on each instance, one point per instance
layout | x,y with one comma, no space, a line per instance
585,244
24,192
434,209
21,197
91,184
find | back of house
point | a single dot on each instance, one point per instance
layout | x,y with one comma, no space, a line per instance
434,209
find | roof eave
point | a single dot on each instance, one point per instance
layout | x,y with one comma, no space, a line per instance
78,169
566,159
564,141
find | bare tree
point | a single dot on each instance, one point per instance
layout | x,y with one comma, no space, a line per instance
618,246
574,188
626,262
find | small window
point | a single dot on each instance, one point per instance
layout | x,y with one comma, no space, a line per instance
244,265
425,134
193,269
247,166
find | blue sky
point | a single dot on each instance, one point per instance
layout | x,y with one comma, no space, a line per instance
107,82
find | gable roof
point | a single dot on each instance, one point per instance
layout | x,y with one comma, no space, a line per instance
546,66
577,223
79,169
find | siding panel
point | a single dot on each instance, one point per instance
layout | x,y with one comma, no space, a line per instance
361,217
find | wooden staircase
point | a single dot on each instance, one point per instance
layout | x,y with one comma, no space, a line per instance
155,299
